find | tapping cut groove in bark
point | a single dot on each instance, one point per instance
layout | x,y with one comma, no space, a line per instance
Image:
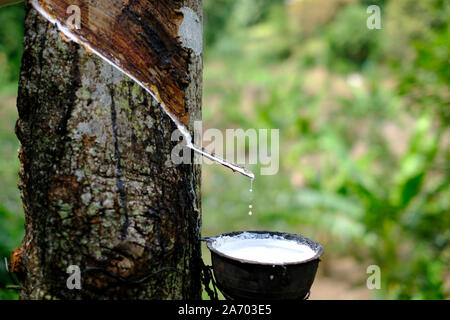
138,37
146,41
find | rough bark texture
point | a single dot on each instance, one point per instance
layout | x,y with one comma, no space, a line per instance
98,186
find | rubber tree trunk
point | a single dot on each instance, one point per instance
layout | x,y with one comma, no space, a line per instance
97,182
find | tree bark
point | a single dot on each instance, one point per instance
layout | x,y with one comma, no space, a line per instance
96,179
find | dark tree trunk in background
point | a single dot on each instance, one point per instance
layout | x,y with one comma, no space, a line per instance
97,183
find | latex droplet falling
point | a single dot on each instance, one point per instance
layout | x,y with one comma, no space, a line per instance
251,190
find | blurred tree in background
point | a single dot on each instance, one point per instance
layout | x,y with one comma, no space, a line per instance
364,131
11,212
11,36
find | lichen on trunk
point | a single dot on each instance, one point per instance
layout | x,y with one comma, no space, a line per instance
97,182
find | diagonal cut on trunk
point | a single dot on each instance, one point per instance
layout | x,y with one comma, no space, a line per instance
142,39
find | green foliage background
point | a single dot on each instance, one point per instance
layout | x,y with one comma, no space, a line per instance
364,131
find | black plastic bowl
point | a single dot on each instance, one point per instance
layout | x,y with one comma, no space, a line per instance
243,279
